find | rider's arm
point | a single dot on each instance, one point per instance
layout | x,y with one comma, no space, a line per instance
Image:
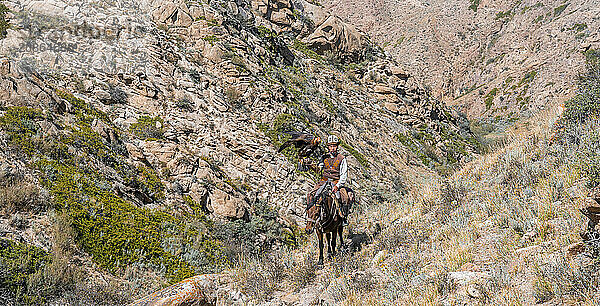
321,163
343,173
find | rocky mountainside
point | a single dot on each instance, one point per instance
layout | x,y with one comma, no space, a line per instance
139,138
506,229
500,60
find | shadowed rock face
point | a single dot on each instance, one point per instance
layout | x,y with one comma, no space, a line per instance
342,39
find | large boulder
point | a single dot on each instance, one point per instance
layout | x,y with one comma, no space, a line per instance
171,13
227,206
335,36
208,289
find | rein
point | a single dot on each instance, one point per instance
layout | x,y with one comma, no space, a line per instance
329,210
303,217
331,213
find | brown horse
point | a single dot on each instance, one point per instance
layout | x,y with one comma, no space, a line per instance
324,217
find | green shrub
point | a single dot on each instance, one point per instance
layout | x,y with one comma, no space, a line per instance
489,98
212,39
115,232
560,9
505,16
578,27
359,156
592,57
474,5
148,128
83,110
265,32
19,123
586,103
151,183
4,25
302,47
255,237
20,264
329,105
89,141
420,149
529,76
276,130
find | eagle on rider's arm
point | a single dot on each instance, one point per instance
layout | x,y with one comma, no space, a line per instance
306,144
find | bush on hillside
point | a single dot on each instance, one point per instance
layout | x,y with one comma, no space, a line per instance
254,237
580,119
586,103
4,25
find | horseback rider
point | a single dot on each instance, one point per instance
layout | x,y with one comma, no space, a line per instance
334,168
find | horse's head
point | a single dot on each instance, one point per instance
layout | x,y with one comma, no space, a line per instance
313,216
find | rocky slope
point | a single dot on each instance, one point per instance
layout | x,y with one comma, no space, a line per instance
505,229
501,60
139,138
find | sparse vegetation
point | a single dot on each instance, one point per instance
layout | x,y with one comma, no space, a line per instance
359,156
497,216
4,25
505,16
212,39
300,46
233,95
490,231
185,104
117,95
578,27
265,32
148,128
527,78
21,195
538,19
558,10
474,5
489,98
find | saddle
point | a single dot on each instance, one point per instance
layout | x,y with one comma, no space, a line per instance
325,190
320,194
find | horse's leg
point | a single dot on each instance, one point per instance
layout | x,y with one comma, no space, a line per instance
320,237
340,231
333,234
328,237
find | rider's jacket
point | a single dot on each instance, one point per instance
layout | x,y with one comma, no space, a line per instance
334,168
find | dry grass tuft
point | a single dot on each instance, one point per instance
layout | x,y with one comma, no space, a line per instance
22,196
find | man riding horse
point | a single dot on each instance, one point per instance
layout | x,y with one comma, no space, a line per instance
334,168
